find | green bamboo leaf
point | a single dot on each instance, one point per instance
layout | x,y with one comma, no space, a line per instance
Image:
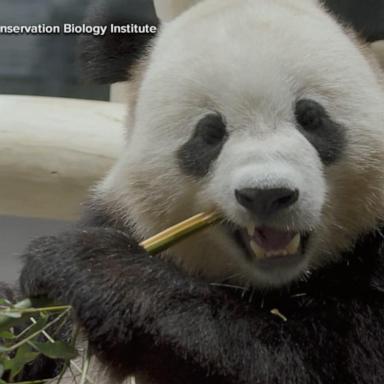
9,323
6,321
6,335
38,326
24,355
4,301
56,350
12,315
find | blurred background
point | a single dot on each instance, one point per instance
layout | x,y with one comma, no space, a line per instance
43,65
47,66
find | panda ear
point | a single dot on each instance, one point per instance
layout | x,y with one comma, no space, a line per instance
169,9
365,17
110,58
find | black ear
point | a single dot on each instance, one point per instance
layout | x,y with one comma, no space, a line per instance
365,16
109,58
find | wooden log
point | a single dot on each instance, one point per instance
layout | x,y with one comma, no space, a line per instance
52,150
378,48
168,9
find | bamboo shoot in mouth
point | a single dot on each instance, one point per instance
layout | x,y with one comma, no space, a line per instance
174,234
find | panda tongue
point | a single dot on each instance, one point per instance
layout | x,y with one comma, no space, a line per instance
272,239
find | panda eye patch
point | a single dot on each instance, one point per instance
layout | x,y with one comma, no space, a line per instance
204,146
327,136
309,114
211,129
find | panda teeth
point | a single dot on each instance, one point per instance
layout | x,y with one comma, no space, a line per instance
257,250
291,249
293,246
277,253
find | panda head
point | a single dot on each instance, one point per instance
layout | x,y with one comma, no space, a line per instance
269,112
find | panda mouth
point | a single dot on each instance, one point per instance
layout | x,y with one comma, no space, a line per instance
268,247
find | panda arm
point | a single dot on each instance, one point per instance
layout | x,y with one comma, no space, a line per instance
143,314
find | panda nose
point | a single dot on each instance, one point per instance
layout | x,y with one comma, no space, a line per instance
266,202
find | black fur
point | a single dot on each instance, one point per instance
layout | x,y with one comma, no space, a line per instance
95,213
197,154
366,17
327,136
145,316
110,58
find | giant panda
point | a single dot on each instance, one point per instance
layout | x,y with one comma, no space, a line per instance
271,113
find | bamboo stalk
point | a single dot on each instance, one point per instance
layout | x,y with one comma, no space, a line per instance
174,234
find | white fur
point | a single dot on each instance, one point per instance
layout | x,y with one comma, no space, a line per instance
251,60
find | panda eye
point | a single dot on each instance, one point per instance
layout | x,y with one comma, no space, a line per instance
211,129
309,114
327,136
